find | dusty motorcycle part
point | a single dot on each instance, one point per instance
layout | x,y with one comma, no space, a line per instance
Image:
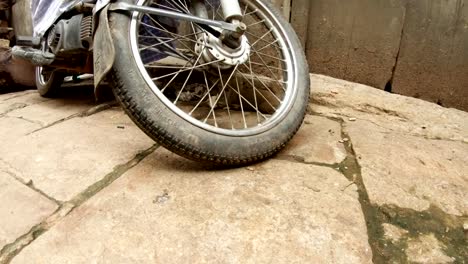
140,93
74,35
35,56
48,80
48,84
103,50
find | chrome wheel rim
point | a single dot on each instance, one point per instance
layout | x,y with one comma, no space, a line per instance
286,76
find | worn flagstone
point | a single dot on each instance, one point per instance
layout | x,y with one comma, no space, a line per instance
21,208
342,99
63,160
170,210
46,113
319,140
412,153
406,158
7,96
426,249
11,102
414,172
12,128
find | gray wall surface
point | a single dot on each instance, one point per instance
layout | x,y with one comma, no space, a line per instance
416,48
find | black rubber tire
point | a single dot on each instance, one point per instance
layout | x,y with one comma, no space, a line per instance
51,87
185,139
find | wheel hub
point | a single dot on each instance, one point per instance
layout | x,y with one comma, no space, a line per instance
213,49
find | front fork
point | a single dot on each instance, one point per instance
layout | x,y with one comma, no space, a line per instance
231,10
232,14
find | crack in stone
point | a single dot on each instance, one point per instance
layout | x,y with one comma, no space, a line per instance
99,108
391,131
111,177
351,170
92,111
16,106
29,184
25,119
8,252
353,174
431,221
397,56
299,159
18,95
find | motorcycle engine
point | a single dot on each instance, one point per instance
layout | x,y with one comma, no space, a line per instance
71,35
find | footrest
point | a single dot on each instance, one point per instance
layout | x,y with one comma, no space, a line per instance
35,56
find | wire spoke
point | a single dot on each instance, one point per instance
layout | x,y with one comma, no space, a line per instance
254,90
273,75
266,86
247,101
272,67
259,39
222,90
272,43
266,55
184,70
268,101
251,12
172,79
208,93
186,81
256,23
172,34
241,104
163,29
225,97
231,98
262,37
166,41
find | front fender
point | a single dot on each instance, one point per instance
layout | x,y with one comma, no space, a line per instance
103,49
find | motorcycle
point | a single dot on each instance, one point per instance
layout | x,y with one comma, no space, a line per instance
216,81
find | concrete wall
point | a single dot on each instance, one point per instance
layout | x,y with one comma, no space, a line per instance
416,48
433,60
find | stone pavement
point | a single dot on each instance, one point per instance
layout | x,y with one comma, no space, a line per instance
371,177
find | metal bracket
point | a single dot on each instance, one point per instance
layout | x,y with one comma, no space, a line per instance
166,13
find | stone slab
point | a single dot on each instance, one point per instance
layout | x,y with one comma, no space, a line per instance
411,172
12,128
65,159
170,210
317,141
342,99
7,96
48,112
10,102
426,249
21,208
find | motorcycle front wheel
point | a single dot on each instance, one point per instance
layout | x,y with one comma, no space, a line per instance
201,102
